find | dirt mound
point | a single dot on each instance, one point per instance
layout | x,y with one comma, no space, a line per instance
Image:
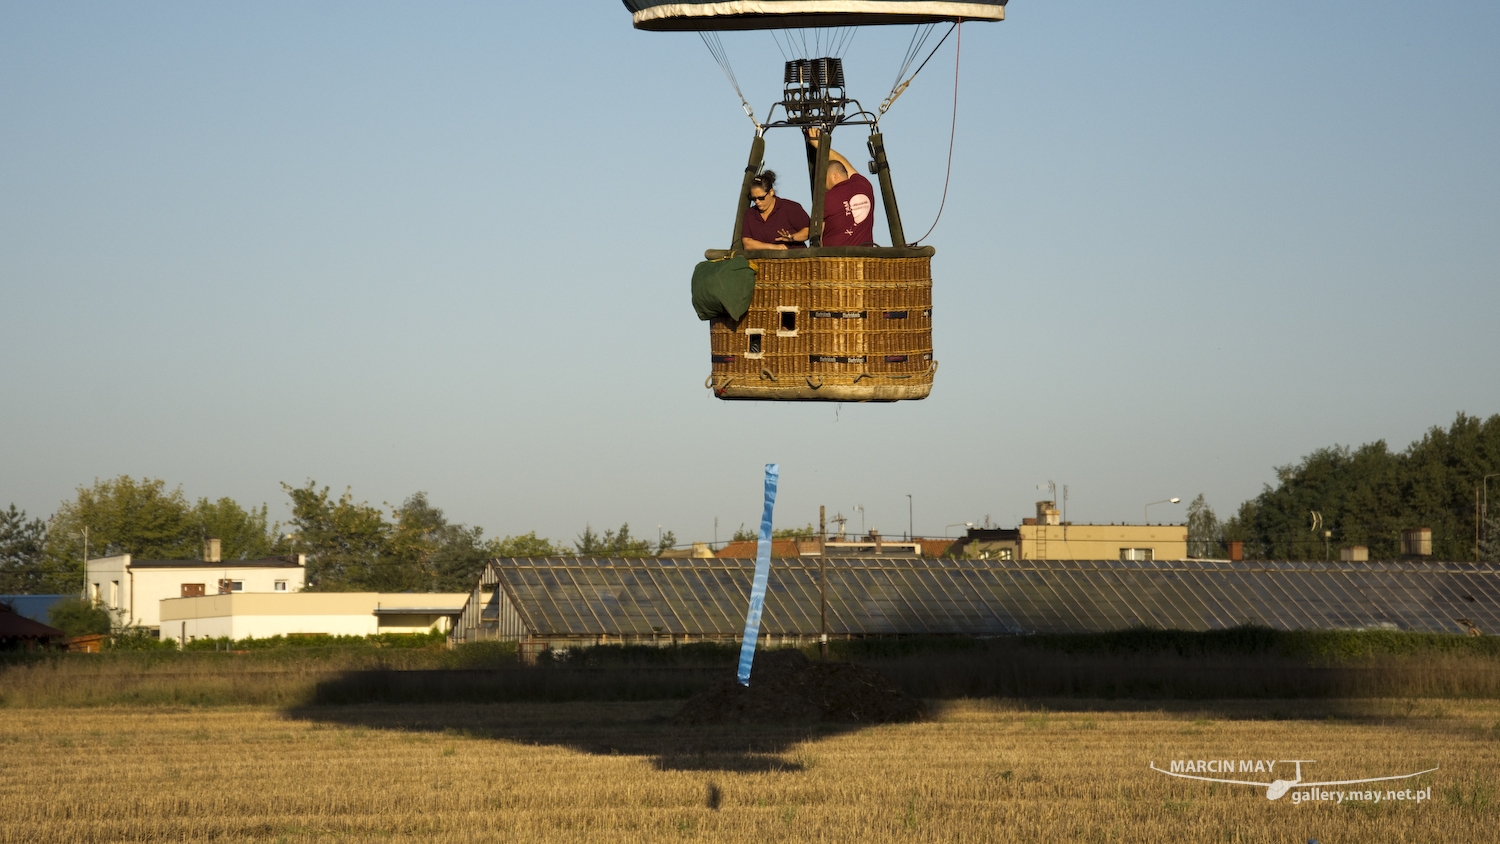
786,686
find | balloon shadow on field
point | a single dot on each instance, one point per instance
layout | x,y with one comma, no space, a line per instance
504,706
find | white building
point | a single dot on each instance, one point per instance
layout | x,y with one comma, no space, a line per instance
136,587
244,615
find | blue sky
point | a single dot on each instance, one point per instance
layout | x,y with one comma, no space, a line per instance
445,247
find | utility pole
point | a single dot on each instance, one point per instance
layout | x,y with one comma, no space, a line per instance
1484,512
822,585
911,529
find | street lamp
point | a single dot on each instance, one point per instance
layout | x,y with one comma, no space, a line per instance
1147,509
1484,511
911,530
956,524
861,509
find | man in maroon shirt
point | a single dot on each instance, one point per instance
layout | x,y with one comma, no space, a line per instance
849,204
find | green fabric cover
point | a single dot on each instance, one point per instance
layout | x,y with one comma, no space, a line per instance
723,288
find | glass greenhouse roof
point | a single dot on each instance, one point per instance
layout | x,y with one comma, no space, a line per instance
708,597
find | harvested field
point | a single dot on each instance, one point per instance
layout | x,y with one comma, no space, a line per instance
977,771
787,688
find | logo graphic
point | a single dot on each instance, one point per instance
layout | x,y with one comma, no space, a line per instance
1189,769
858,207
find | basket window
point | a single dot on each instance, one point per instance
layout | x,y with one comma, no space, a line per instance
757,343
787,327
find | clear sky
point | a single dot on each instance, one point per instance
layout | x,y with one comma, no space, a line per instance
446,247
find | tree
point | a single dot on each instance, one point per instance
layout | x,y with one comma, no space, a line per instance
148,521
1368,495
612,544
805,532
744,535
242,534
1204,531
79,617
430,553
588,542
122,516
346,543
1489,545
529,545
125,516
23,545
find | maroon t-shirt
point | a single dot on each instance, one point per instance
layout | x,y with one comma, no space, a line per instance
786,216
849,213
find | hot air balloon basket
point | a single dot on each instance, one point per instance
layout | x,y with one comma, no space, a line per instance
829,329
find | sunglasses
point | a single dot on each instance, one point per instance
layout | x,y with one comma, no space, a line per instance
754,198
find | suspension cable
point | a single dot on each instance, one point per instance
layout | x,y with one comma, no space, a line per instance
952,128
716,49
912,51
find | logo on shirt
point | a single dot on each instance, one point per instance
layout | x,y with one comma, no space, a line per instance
858,207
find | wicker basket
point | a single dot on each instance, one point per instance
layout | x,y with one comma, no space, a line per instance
830,328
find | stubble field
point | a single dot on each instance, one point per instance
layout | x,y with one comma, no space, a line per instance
979,771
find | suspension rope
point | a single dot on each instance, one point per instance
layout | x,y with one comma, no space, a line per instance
826,41
779,49
716,49
952,128
912,52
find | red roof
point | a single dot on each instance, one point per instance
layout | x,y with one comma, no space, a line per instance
13,626
744,549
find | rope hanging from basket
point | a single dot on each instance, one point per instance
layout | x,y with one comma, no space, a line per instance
952,127
716,49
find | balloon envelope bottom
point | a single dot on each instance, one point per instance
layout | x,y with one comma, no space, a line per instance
660,16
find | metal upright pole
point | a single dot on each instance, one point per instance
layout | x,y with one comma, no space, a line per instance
757,154
887,190
823,583
820,186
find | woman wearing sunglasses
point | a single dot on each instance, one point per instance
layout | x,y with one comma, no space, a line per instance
772,222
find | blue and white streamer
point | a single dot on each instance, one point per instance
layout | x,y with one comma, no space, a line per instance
762,574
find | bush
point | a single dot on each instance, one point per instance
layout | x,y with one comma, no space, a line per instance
139,639
79,617
432,640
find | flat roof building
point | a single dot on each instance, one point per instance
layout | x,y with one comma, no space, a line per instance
245,615
1047,537
136,588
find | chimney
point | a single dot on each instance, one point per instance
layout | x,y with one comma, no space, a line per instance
1047,513
701,551
211,551
1236,550
1355,554
1416,542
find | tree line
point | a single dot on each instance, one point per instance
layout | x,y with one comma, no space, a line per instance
350,545
1364,496
1367,496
